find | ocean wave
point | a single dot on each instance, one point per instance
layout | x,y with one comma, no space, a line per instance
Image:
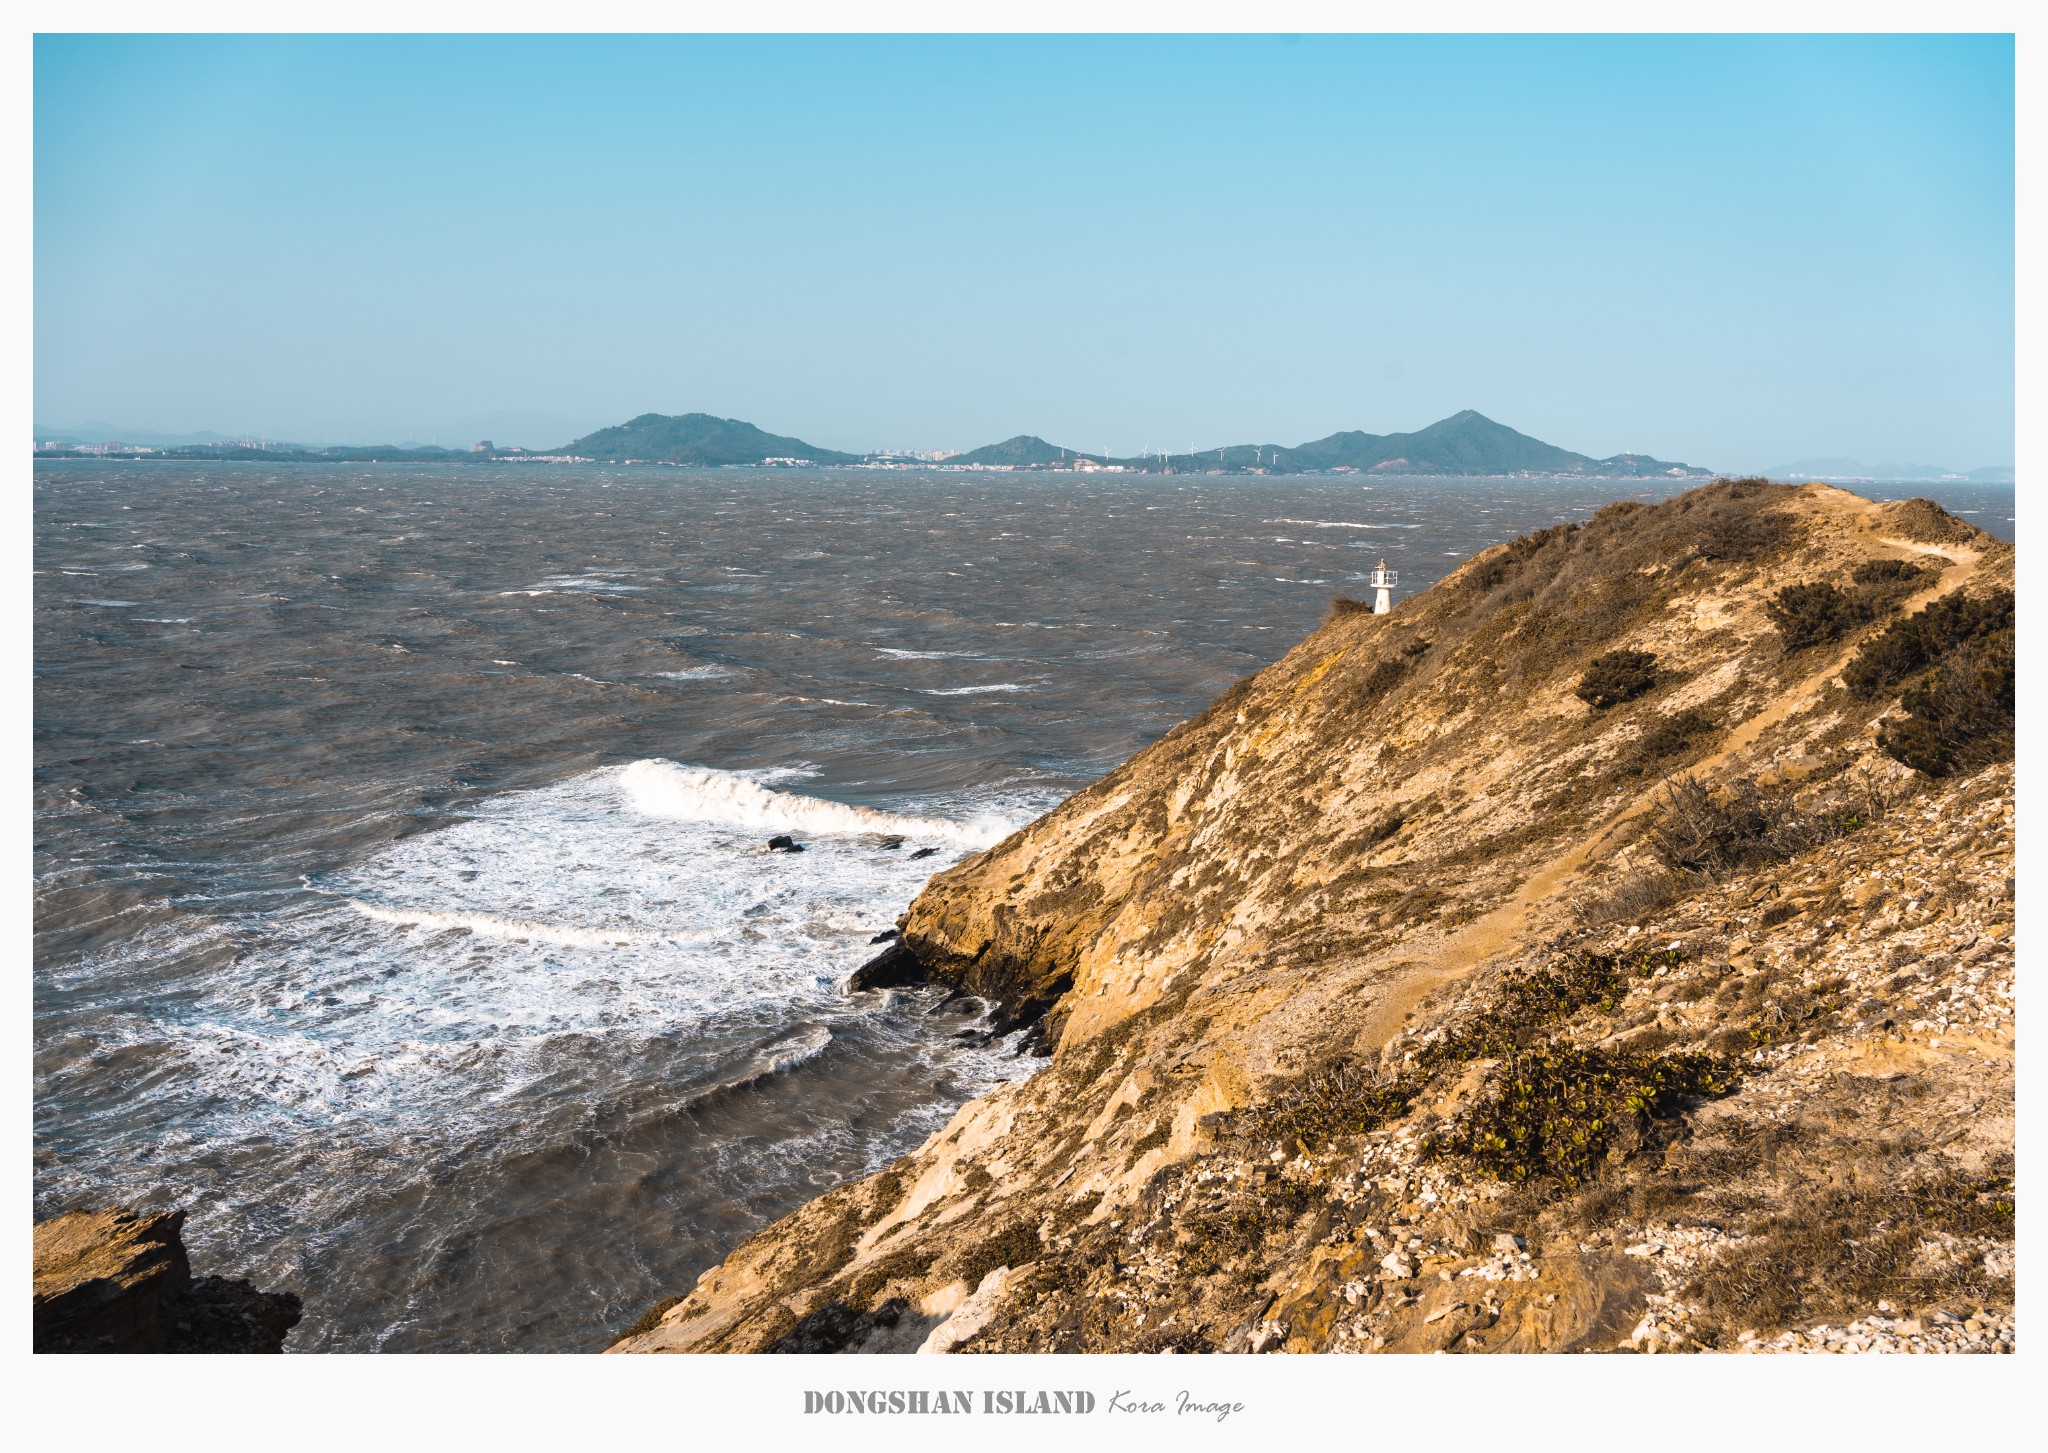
973,690
656,788
906,655
1343,524
513,930
779,1058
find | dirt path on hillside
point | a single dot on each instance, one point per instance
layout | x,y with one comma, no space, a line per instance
1486,935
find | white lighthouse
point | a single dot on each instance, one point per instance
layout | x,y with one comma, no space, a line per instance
1383,581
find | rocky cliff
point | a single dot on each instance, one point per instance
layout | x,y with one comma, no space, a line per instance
1609,948
119,1281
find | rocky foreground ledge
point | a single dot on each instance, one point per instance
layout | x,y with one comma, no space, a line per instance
1611,949
119,1281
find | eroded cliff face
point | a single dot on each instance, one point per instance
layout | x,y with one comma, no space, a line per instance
1398,1000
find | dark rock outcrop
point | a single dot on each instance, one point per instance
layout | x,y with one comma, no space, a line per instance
119,1281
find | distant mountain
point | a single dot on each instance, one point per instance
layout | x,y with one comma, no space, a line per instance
696,439
1466,443
96,431
1024,451
1852,470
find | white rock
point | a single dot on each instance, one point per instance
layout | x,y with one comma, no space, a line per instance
971,1316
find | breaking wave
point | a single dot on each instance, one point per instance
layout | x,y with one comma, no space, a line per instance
702,794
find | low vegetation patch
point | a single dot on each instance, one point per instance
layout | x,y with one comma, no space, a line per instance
1553,1111
1892,577
1549,1109
1708,835
1673,735
1637,896
905,1265
1841,1249
1494,570
1961,715
1725,527
1616,677
1922,639
1953,664
1015,1245
1814,613
1926,521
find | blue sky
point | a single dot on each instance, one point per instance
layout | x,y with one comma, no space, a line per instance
1732,251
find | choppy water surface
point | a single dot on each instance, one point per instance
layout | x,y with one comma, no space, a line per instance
402,905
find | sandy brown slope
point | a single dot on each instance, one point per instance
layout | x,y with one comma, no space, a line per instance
1385,904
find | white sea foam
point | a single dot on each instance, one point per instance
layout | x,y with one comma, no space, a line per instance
1343,524
695,673
521,930
973,690
433,986
906,655
700,794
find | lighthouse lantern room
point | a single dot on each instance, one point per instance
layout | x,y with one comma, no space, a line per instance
1383,582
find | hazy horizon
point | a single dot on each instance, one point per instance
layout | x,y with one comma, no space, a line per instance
1736,252
495,431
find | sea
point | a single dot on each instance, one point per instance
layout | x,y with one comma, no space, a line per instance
403,905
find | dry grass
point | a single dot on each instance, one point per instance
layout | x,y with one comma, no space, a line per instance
1836,1251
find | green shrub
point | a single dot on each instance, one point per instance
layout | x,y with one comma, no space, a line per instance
1961,715
1954,665
1554,1110
1890,576
1616,677
1918,641
1806,615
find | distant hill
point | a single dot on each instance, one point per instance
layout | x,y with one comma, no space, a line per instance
1853,470
1023,451
696,439
97,431
1465,443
